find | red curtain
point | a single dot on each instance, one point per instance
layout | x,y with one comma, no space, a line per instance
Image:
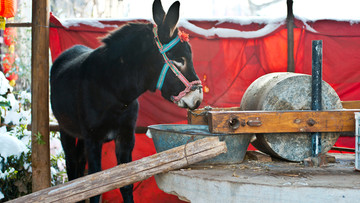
227,66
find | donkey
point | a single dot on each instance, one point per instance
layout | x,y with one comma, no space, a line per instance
94,92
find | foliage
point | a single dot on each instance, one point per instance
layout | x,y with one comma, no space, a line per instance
15,171
16,175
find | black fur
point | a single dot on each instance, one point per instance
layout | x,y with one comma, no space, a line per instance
94,92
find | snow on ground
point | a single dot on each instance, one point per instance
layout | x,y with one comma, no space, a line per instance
4,85
10,145
15,115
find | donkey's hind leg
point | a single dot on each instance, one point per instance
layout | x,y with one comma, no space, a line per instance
74,155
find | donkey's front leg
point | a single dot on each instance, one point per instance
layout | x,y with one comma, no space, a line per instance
93,149
124,146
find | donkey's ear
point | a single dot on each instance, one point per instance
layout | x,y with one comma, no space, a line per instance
172,17
158,12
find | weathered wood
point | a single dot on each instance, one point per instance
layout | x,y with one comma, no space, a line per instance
40,95
257,156
351,104
55,128
126,174
343,149
52,127
200,116
236,122
18,25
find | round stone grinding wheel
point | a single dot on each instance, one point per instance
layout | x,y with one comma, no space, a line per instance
288,91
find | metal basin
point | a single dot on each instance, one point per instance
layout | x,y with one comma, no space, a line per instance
168,136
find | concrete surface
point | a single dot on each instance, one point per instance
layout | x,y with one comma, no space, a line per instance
256,181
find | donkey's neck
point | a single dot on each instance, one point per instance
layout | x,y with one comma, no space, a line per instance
130,55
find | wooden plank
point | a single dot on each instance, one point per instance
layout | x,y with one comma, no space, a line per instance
125,174
257,156
351,104
343,149
236,122
18,24
200,116
40,95
55,128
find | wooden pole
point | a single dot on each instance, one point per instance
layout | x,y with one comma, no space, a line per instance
290,36
40,95
125,174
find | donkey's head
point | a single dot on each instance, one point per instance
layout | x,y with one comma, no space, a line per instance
178,81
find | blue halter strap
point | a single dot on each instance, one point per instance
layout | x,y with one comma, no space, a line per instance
165,48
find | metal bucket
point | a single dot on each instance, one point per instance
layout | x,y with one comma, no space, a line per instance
168,136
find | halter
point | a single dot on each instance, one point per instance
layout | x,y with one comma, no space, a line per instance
189,86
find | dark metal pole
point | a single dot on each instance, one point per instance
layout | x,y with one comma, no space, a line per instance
316,91
290,36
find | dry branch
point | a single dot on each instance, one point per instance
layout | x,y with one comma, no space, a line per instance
125,174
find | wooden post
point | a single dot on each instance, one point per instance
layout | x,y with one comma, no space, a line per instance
40,95
125,174
290,36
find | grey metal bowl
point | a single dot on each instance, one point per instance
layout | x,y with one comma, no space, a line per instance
168,136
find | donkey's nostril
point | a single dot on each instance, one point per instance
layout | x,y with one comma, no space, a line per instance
185,105
197,104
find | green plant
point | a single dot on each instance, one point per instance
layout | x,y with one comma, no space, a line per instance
15,171
15,180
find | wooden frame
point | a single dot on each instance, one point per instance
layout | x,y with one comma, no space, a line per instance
234,121
238,122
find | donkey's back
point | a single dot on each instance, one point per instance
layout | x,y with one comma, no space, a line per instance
65,86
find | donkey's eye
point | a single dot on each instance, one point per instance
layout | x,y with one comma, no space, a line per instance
180,62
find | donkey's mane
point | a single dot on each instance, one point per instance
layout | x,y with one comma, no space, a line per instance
128,38
125,30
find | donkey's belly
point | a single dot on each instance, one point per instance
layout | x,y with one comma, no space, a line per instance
70,127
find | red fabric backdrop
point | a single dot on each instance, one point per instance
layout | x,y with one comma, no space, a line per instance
227,66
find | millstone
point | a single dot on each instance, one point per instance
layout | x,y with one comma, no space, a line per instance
288,91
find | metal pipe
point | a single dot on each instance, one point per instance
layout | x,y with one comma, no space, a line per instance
316,91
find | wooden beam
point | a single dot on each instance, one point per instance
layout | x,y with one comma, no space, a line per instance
125,174
200,116
351,104
18,25
343,149
55,128
40,95
236,122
